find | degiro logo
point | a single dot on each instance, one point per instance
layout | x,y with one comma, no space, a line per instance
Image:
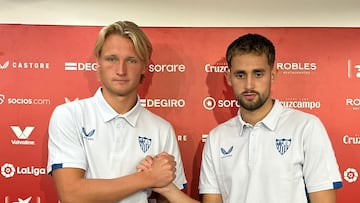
210,103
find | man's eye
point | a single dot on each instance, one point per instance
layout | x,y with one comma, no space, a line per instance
111,59
259,74
132,60
240,75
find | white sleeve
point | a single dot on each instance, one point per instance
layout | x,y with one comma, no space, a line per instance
321,171
64,145
208,183
172,147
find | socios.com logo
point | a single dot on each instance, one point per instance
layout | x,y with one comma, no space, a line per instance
351,175
7,170
24,100
209,103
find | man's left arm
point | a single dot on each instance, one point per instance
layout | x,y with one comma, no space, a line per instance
325,196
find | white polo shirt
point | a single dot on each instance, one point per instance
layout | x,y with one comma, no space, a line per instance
90,135
279,160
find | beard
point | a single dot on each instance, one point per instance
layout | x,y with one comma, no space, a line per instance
254,104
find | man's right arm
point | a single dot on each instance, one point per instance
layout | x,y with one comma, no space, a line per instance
72,187
174,195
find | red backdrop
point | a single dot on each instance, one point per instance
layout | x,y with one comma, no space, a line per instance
44,66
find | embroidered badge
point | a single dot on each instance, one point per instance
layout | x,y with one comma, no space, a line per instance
226,152
282,145
88,135
144,143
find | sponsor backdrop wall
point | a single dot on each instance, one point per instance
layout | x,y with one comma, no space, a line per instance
44,66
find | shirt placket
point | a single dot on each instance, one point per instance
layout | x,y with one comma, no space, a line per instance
252,146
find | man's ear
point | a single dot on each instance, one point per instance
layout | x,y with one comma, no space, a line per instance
227,75
98,71
274,72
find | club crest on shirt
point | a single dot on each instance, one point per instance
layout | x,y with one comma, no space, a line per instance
282,145
144,143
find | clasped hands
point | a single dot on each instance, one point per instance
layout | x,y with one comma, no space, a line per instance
162,168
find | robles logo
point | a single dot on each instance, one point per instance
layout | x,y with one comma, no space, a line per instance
296,68
353,103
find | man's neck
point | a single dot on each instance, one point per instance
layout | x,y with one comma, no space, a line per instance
253,117
121,104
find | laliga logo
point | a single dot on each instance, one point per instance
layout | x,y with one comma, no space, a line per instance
351,175
5,65
8,170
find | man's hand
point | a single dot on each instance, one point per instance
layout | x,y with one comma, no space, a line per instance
162,168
